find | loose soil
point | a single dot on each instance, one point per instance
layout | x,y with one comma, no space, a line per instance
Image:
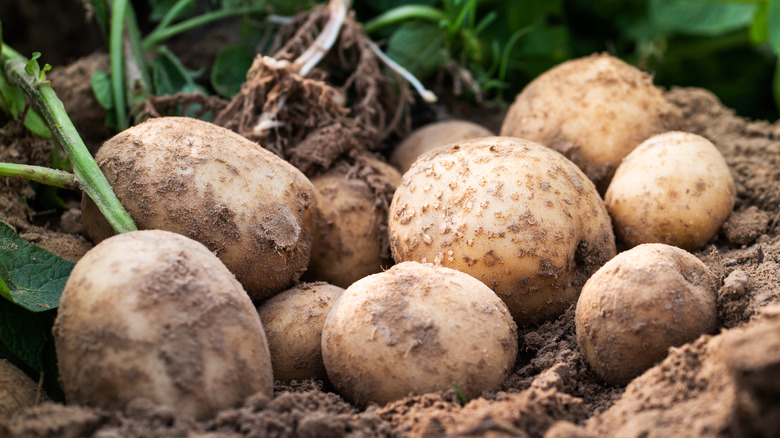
722,384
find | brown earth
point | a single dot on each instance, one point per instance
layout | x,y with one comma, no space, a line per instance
719,385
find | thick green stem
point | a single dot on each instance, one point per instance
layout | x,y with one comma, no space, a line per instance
116,55
404,13
89,175
43,175
163,33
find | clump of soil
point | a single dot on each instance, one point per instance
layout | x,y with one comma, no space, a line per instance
721,384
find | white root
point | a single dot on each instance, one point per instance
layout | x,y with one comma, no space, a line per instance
426,94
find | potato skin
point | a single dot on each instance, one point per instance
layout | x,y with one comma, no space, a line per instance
156,315
675,188
431,136
510,212
351,238
293,322
253,209
639,304
417,328
594,110
17,391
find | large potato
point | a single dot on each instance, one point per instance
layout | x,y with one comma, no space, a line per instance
351,238
639,304
417,328
675,188
156,315
250,207
594,110
431,136
510,212
293,323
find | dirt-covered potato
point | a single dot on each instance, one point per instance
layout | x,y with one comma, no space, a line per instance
417,328
250,207
293,323
513,213
17,391
156,315
431,136
594,110
675,188
351,239
639,304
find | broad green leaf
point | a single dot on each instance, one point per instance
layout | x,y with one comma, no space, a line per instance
169,76
35,123
31,277
24,333
773,22
701,17
229,70
759,30
101,87
418,47
13,101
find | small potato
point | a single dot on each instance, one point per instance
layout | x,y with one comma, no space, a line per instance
431,136
293,323
17,391
594,110
250,207
510,212
639,304
351,239
417,328
155,315
675,188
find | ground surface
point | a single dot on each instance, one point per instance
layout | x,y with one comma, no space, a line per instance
724,384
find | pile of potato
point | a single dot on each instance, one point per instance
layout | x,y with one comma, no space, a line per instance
487,233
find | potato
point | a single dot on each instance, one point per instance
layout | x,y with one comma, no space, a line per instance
293,323
156,315
17,391
510,212
417,328
675,188
639,304
250,207
431,136
351,241
594,110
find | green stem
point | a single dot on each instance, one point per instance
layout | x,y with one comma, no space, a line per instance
116,55
164,33
404,13
43,175
87,172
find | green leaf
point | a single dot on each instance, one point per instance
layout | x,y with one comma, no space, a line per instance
701,17
32,68
230,67
759,30
773,22
169,76
13,101
24,333
31,277
418,47
35,123
101,87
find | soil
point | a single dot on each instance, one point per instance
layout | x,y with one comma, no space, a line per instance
722,384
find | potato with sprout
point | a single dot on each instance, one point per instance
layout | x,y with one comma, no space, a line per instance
250,207
594,110
639,304
417,328
293,322
675,188
518,216
153,314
